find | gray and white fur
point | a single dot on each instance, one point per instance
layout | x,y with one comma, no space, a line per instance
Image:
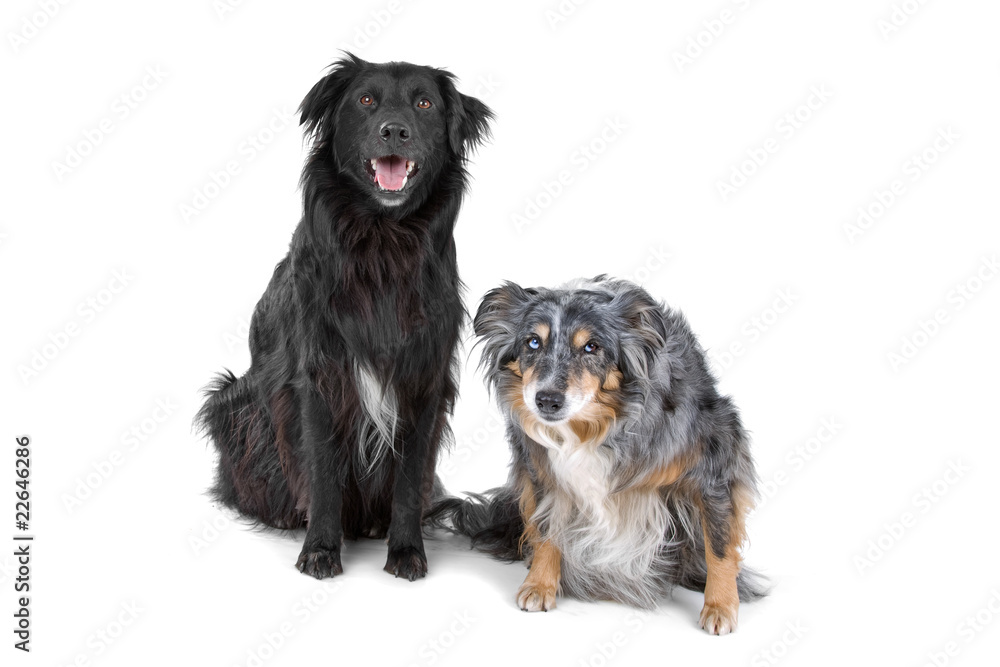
627,461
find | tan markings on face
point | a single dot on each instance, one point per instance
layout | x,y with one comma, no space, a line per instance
528,377
528,389
581,338
543,332
513,395
594,420
515,367
513,392
583,383
613,381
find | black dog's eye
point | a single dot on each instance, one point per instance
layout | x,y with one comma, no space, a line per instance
591,347
424,104
534,342
367,100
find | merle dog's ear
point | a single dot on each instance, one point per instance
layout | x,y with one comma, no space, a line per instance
497,322
320,104
468,118
644,333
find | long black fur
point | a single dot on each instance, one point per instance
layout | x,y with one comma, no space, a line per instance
491,520
337,424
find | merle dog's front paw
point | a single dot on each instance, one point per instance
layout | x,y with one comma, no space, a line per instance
407,562
320,563
719,619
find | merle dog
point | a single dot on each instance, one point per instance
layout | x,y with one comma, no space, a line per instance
631,474
338,421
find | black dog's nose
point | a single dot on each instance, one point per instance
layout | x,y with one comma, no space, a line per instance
396,134
548,402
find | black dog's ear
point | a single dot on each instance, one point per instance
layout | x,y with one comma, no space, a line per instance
644,333
320,104
468,118
497,321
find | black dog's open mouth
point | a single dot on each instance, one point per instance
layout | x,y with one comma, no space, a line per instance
391,172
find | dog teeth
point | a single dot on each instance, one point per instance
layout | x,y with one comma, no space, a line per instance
410,164
405,178
374,163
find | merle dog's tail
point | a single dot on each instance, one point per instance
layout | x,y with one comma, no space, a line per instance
250,477
492,520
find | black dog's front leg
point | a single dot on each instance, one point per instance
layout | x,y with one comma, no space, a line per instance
320,555
406,544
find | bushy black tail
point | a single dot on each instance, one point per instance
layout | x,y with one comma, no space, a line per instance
492,520
249,477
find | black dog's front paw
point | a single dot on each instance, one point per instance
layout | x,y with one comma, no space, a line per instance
320,563
407,562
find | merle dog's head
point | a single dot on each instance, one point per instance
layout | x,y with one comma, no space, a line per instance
572,355
391,128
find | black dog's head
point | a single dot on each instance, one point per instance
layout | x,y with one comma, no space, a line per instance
567,355
391,128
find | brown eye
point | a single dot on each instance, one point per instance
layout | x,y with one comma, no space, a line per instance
367,100
424,104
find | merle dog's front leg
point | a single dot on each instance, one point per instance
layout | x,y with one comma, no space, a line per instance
414,471
320,555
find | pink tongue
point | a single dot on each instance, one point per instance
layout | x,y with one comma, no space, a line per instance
390,172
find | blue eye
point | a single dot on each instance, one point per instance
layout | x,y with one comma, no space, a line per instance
591,347
534,343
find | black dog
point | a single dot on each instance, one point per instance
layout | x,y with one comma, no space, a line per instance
338,421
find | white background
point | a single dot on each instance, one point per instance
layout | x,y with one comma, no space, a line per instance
214,595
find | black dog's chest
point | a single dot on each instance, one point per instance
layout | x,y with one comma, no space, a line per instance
388,305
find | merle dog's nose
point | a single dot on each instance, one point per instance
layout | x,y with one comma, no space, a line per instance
395,134
549,402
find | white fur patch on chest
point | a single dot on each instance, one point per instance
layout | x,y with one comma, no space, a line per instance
377,432
611,544
583,472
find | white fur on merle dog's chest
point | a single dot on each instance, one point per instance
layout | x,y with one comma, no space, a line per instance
608,541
